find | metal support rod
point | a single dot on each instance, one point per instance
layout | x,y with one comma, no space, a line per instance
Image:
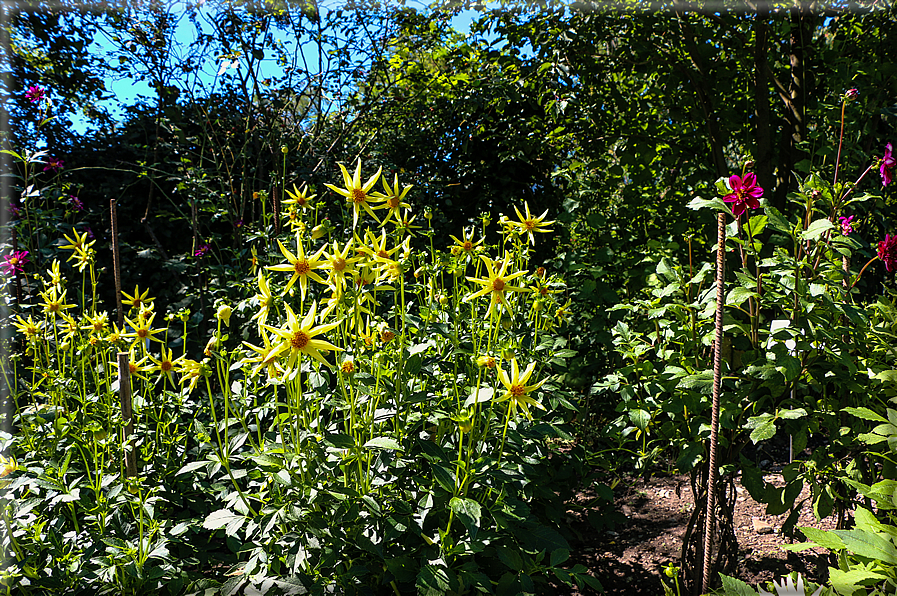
124,393
116,263
714,418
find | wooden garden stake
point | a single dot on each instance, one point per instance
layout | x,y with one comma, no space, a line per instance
116,265
124,393
714,417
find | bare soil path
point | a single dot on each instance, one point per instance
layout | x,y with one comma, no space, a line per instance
629,558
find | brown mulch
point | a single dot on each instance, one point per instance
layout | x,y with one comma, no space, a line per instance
629,558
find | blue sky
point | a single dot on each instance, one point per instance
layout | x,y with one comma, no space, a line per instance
127,91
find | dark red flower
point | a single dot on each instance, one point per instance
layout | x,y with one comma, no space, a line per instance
887,166
745,193
887,252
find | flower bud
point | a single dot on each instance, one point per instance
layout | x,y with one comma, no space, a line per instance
284,149
317,231
223,314
486,361
851,94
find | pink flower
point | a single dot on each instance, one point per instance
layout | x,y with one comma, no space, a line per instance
15,262
14,210
201,251
851,94
745,193
887,252
846,227
54,164
887,166
75,203
34,93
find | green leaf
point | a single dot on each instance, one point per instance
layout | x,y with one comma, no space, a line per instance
433,580
792,414
383,443
777,221
736,587
444,477
817,229
847,583
224,518
865,414
752,480
868,544
739,295
757,224
468,513
194,465
690,457
484,394
715,203
764,427
823,538
559,556
510,557
640,418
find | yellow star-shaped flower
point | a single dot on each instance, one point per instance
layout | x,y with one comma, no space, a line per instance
496,284
517,391
299,338
302,267
530,223
355,192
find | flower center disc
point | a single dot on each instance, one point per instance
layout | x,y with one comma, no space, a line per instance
299,340
498,285
468,246
165,366
393,202
339,264
358,196
529,224
302,267
517,390
141,333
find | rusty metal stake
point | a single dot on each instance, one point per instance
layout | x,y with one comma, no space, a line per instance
124,393
116,265
714,417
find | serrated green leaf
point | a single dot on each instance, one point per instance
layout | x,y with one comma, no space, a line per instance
823,538
865,414
868,544
736,587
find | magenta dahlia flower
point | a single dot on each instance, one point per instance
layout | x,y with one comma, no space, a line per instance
745,193
887,252
34,93
887,166
846,225
15,262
